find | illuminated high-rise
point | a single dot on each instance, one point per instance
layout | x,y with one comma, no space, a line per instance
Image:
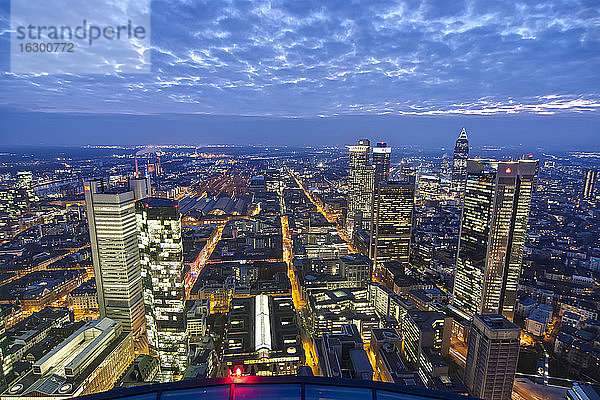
115,255
161,258
495,215
492,357
589,183
381,162
361,177
25,181
459,163
392,222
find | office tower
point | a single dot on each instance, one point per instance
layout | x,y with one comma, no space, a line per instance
273,180
492,357
161,259
492,236
361,176
589,183
392,222
115,255
14,201
381,162
459,165
25,181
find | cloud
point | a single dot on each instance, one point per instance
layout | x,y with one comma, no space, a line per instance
321,58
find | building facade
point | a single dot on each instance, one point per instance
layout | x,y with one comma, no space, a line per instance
459,163
590,176
161,259
361,176
88,361
492,357
381,162
494,223
115,255
25,181
392,222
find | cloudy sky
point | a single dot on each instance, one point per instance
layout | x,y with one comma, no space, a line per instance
413,70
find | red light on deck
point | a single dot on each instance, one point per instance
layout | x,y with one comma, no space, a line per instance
238,372
508,170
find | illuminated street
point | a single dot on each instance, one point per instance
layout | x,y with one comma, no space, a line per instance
329,218
376,375
203,257
299,303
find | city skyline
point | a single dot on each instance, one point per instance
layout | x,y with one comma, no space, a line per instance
236,261
300,199
569,132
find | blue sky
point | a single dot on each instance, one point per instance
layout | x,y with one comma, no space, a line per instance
435,65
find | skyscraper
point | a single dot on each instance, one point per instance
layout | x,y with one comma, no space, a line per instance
589,183
360,187
392,222
161,259
492,356
492,236
381,162
115,255
459,164
25,181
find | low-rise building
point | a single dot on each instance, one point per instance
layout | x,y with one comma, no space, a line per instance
262,337
385,346
585,309
424,329
142,371
525,305
84,299
538,320
342,355
570,319
21,337
91,360
197,318
329,310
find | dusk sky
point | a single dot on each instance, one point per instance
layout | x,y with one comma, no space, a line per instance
311,72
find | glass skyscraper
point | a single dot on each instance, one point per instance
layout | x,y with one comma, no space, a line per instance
381,162
361,176
459,163
392,222
492,236
161,258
